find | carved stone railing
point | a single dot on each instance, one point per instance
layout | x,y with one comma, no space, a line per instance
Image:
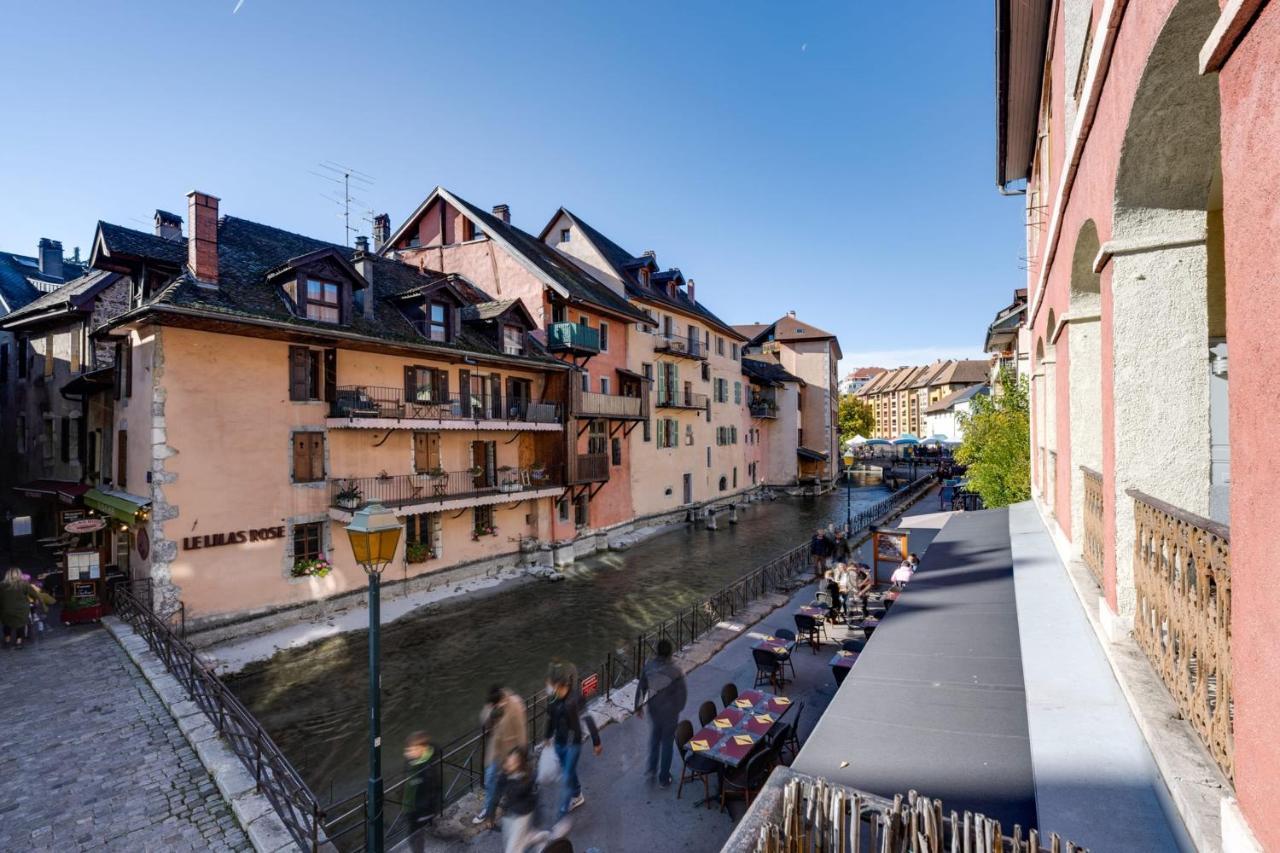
1182,574
1093,524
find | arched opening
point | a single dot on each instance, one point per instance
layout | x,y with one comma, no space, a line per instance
1050,367
1084,372
1040,424
1163,274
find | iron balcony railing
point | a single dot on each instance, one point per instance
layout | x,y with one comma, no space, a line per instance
1094,523
763,407
573,337
401,490
371,401
676,345
590,468
597,405
679,399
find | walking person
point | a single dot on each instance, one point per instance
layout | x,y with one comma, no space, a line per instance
819,550
16,595
503,719
564,733
421,799
663,691
517,794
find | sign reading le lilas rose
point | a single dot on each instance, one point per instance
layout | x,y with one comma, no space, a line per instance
231,537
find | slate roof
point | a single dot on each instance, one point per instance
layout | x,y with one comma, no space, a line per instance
787,328
247,251
625,266
488,310
929,374
119,240
958,396
767,372
866,372
965,371
750,330
21,281
65,296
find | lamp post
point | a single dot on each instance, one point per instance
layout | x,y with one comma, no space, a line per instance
848,493
374,533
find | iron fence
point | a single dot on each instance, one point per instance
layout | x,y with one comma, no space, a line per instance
401,490
274,776
372,401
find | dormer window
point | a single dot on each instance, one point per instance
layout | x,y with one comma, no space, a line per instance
644,277
512,340
564,235
324,301
471,231
437,323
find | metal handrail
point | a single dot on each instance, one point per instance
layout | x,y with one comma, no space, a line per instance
399,490
373,401
274,776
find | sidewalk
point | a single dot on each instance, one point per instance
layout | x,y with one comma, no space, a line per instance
625,813
91,760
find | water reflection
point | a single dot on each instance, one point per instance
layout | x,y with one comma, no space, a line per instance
439,663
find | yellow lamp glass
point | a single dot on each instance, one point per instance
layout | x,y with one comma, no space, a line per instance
374,532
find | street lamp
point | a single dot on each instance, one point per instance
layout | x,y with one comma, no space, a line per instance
374,533
848,493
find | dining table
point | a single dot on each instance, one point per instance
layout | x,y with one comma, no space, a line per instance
816,611
841,662
731,737
777,645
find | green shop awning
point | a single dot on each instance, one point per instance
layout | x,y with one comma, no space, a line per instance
121,506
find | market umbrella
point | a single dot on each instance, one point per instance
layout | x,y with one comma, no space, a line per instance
858,439
878,442
936,438
906,438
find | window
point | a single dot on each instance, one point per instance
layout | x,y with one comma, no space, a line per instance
604,336
724,484
708,457
122,458
733,351
564,235
735,476
425,384
49,439
616,451
66,439
706,372
604,384
437,326
308,541
597,441
644,276
324,301
562,508
668,432
482,521
586,381
48,355
422,531
648,431
305,373
581,513
512,340
688,434
719,345
737,393
308,457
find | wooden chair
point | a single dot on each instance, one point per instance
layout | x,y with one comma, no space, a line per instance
747,780
768,669
728,694
789,739
706,712
785,634
693,766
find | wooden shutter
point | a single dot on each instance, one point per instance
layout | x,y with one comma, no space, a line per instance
66,439
422,456
298,365
495,392
464,391
437,534
128,367
490,462
441,378
118,390
410,383
122,458
330,375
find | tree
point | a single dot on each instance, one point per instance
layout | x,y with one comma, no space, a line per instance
997,443
855,418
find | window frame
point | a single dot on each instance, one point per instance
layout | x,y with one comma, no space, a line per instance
300,532
323,304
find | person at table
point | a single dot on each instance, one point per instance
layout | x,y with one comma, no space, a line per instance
421,789
831,586
861,585
842,576
902,575
564,734
663,692
503,720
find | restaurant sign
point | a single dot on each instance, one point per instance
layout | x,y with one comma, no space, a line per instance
231,537
84,525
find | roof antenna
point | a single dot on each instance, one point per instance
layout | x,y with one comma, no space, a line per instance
344,176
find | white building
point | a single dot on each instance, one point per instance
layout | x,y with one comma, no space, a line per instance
942,417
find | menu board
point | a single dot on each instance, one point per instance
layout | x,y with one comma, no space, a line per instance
83,566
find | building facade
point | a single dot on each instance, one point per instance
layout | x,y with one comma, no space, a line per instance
900,398
856,380
1143,132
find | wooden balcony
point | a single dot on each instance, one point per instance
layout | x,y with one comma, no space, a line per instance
679,347
763,406
371,406
588,468
1182,575
680,399
618,407
457,488
573,338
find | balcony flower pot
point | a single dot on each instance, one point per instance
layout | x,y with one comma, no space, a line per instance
348,497
417,552
317,568
509,487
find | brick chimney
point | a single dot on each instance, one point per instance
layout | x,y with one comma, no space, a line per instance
791,314
689,287
362,260
168,225
503,212
50,256
202,241
381,230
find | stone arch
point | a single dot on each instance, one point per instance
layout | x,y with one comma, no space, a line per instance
1160,282
1084,372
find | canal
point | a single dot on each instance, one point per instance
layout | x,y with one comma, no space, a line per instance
438,663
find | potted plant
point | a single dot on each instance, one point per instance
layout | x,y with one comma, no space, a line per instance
507,480
538,471
484,530
348,497
476,470
308,568
417,552
436,472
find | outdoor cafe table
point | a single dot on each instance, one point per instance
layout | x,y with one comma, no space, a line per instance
777,645
730,738
841,663
819,613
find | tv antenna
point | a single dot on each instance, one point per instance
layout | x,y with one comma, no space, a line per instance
345,177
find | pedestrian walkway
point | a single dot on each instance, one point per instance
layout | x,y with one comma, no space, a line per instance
1095,780
90,759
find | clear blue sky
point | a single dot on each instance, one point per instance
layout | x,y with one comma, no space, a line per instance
831,158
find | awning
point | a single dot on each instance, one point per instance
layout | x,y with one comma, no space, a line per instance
631,374
811,455
64,490
93,382
121,506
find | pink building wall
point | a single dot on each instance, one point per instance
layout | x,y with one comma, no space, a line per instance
1249,87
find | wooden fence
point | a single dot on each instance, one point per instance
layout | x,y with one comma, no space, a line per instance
1094,534
1182,575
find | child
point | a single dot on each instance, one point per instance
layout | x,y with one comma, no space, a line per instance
421,799
518,797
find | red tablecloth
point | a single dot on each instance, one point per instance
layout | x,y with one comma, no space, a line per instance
754,715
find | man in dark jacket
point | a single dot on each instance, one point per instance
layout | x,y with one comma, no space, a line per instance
819,550
421,796
662,685
564,733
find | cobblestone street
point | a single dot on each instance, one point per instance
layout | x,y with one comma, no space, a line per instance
90,759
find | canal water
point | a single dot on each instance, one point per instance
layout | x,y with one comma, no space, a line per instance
438,663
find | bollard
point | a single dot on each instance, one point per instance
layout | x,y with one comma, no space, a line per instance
733,513
711,519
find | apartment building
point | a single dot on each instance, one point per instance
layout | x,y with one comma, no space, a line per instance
900,398
1143,136
812,355
1008,339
